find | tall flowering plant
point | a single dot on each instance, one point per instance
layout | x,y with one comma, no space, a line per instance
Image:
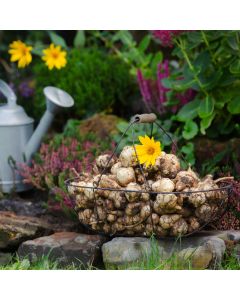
155,94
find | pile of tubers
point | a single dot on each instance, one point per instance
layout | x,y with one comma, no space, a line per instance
139,200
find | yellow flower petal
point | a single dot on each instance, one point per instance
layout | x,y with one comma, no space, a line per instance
54,57
148,151
20,52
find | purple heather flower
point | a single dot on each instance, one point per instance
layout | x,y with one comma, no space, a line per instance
154,92
144,86
26,88
166,36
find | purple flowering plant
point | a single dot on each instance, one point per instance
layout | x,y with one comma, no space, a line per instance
58,159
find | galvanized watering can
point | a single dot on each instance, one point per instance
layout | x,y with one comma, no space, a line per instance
18,140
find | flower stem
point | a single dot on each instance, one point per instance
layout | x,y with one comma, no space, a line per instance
181,45
207,45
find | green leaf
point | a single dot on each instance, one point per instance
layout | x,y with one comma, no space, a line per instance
167,83
206,122
183,84
125,37
233,43
143,45
189,111
211,80
234,106
190,130
235,67
57,39
122,126
171,102
188,148
38,50
156,60
206,107
202,61
79,40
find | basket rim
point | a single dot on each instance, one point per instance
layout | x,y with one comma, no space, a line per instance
70,181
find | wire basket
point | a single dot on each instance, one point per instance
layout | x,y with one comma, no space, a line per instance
124,212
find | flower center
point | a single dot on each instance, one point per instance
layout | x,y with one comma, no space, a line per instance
150,150
24,51
55,55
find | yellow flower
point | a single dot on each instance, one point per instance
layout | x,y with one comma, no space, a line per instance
54,57
20,52
148,151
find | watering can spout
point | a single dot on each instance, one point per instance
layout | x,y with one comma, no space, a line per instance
56,99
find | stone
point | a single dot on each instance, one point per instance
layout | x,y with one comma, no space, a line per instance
23,207
15,229
121,251
229,235
66,248
199,257
5,258
202,250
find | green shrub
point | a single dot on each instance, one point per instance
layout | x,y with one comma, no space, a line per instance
95,80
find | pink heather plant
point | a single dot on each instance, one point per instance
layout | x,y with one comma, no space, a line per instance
166,36
231,219
53,165
53,162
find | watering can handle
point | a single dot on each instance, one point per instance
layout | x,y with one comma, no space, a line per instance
8,93
144,118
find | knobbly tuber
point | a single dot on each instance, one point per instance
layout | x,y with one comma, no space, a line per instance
166,203
125,176
133,192
179,228
163,185
169,165
186,179
167,221
133,209
127,157
103,161
115,167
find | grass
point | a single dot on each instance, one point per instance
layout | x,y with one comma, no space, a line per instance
152,261
44,263
230,262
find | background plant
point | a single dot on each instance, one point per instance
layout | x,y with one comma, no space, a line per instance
208,63
96,81
56,159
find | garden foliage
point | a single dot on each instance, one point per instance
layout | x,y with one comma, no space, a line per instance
96,81
206,63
